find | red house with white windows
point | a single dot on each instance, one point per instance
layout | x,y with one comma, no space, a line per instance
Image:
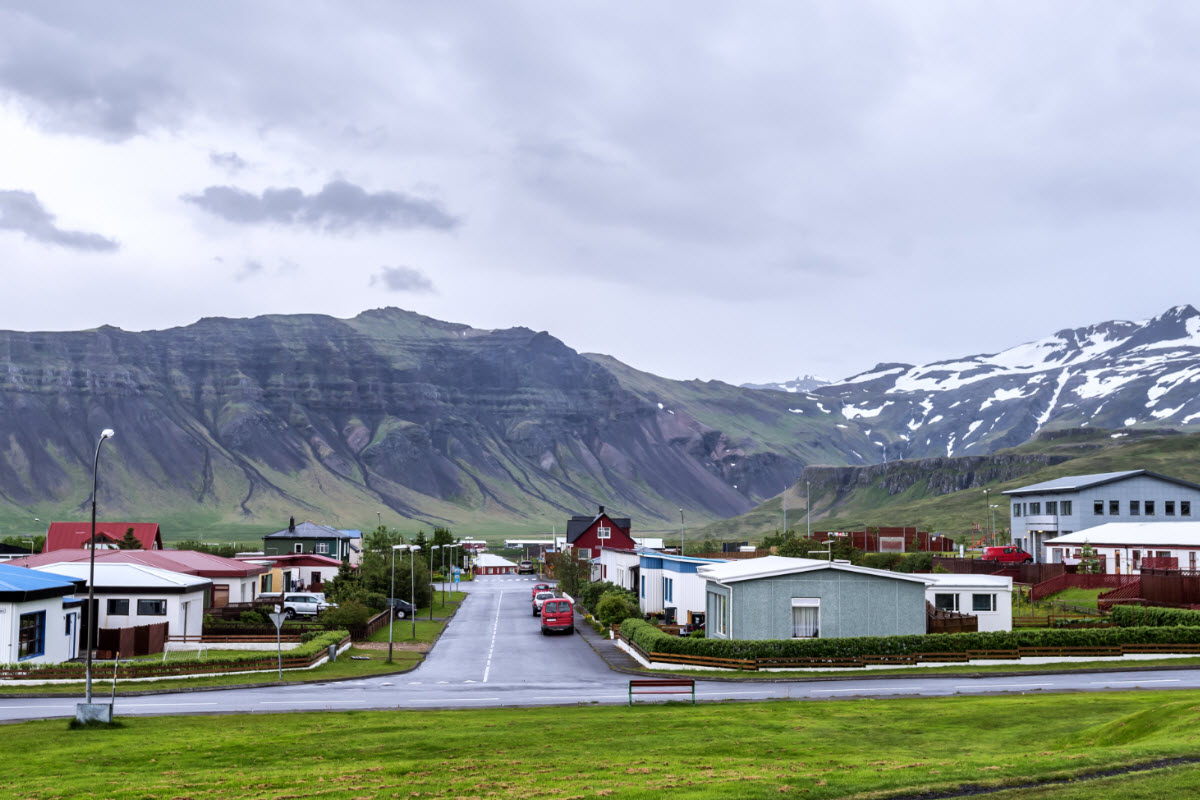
76,535
588,534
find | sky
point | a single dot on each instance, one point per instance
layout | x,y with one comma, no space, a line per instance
734,191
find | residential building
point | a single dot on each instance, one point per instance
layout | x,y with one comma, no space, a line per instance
490,564
39,616
802,598
1061,506
310,537
672,585
1124,548
109,535
293,572
588,534
986,597
619,567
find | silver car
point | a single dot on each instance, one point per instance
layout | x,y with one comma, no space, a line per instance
303,604
540,598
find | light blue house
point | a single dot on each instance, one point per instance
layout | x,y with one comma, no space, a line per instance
803,598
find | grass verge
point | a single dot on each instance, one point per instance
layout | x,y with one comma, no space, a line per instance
876,748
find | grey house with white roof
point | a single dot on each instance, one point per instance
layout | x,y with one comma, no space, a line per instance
1050,509
803,598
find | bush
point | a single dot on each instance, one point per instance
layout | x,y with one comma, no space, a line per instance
614,607
590,594
888,561
350,615
254,617
1152,616
651,639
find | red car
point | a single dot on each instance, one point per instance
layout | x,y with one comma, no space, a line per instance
540,587
1007,555
558,615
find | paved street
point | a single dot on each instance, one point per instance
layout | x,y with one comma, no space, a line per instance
493,654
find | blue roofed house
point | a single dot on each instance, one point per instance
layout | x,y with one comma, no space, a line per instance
672,585
39,616
1055,508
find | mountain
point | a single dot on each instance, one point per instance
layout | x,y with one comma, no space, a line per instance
1111,375
227,427
804,383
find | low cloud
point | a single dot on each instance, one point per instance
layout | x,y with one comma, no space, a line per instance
402,279
230,162
23,212
248,270
339,206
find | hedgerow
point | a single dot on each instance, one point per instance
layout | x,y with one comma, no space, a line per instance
1152,616
651,639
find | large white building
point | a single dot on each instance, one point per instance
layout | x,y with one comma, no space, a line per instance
1126,546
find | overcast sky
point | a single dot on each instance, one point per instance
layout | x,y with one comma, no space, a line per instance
740,191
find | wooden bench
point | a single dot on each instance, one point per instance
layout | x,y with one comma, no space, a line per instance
671,686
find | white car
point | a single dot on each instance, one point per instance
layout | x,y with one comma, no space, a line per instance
304,604
540,598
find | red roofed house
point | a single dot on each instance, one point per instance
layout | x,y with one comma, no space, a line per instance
588,534
75,535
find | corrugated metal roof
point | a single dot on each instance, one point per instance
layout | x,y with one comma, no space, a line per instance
490,560
20,583
127,576
186,561
770,566
74,535
312,530
950,580
1134,534
1074,483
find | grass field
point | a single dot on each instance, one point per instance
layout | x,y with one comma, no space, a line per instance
873,749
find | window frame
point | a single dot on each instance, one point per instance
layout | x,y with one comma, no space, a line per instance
1065,508
26,643
604,532
813,603
1135,508
145,601
115,603
1148,508
1097,508
936,601
1185,508
1114,508
1168,508
990,602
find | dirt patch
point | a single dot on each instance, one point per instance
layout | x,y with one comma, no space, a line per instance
412,647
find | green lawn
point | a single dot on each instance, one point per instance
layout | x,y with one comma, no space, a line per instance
874,748
1077,597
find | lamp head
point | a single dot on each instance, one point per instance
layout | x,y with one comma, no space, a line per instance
107,433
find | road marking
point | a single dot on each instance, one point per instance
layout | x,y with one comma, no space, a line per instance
1113,683
152,705
1000,685
724,694
293,702
863,690
495,629
456,700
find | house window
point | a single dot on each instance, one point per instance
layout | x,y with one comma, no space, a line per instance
118,608
668,590
1135,508
1192,560
69,619
1098,508
1052,507
1035,509
983,602
298,548
1016,512
265,583
323,548
1114,508
1169,508
1057,555
1137,559
806,617
643,586
720,608
32,636
1065,507
1149,504
314,578
152,608
1185,508
945,601
603,533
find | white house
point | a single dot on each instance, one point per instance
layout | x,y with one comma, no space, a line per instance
39,617
129,595
1127,546
671,584
987,597
618,566
490,564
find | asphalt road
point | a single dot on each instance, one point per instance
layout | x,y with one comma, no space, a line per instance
493,654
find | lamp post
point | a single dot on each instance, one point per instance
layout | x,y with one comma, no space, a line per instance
992,521
107,433
986,510
412,587
431,547
392,602
808,508
682,547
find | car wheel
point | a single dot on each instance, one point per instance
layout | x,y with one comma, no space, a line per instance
1027,561
401,614
535,611
570,631
290,613
544,631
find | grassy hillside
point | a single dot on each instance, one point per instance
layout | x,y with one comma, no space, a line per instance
877,502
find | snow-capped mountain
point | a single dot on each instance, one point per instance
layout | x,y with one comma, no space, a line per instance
804,383
1111,375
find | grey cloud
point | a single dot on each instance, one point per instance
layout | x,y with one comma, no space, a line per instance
249,269
231,162
22,211
402,279
339,206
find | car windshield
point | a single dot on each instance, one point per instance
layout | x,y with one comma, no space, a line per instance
544,595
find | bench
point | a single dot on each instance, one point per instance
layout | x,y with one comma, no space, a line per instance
672,686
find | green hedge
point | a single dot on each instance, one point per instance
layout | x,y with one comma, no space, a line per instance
651,639
1152,616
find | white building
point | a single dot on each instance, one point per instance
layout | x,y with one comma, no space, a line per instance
618,566
670,584
489,564
988,597
129,595
1125,546
39,617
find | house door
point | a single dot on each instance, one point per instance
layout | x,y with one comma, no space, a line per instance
220,595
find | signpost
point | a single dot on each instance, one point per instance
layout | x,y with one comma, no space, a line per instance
278,617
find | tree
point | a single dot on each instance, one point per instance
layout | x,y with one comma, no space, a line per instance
1089,562
571,570
129,541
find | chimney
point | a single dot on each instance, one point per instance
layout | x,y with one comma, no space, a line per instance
292,524
601,509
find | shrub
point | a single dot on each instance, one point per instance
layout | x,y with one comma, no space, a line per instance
614,606
1152,616
350,615
883,560
254,617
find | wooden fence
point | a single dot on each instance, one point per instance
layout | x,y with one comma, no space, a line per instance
940,621
1130,593
1177,588
1020,573
1069,580
141,640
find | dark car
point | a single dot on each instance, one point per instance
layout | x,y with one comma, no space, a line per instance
404,609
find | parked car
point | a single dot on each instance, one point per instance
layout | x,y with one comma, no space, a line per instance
526,568
1007,555
539,587
404,609
540,598
304,605
558,614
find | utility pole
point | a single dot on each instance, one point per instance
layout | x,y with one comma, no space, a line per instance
785,510
682,549
808,507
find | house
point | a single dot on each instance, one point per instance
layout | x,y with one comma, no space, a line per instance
128,595
986,597
588,534
489,564
39,616
672,585
76,535
890,540
293,572
802,598
233,581
1125,548
1061,506
309,537
619,567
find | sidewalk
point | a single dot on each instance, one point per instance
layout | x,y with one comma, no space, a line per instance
616,658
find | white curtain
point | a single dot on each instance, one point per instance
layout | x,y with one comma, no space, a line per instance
804,622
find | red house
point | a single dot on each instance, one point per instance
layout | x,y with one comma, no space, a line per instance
75,535
589,534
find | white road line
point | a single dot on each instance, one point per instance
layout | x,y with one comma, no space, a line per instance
167,705
456,700
999,685
495,629
1114,683
864,690
726,694
293,702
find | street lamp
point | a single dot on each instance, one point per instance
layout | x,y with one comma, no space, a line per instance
682,548
986,511
808,507
412,588
992,521
392,602
431,547
107,433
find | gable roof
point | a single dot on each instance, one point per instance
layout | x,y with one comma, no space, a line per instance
1075,483
132,578
189,562
492,560
311,530
749,569
578,525
293,560
75,535
18,584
